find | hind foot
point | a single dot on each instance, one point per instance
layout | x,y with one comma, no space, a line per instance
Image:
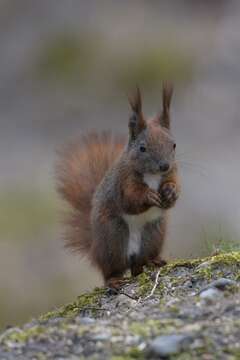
135,265
136,270
115,283
158,262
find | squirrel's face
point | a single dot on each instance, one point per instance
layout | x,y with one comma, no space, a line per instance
151,146
153,151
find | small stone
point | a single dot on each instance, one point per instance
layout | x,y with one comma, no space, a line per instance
78,349
131,340
102,336
188,284
197,343
172,301
167,345
116,339
211,295
124,300
222,283
56,320
85,320
142,346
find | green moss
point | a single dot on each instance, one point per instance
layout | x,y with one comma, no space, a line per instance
205,273
237,277
146,329
143,329
85,301
231,258
22,336
189,263
152,327
219,238
182,356
133,353
145,282
40,356
173,309
218,261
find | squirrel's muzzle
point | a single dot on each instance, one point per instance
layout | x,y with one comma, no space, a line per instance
164,166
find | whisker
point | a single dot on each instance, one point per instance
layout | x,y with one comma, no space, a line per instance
193,166
192,162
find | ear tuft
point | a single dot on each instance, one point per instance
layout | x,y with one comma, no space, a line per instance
136,122
167,92
135,101
167,96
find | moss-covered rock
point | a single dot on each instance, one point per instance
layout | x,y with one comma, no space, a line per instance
100,326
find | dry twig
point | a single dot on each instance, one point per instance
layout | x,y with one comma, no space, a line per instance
154,286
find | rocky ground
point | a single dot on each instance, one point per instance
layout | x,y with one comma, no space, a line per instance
186,310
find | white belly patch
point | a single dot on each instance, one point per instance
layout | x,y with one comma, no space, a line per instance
152,180
137,222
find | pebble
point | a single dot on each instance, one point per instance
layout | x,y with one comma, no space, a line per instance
132,340
104,336
124,301
221,283
55,320
211,295
213,291
188,284
78,349
85,320
167,345
172,302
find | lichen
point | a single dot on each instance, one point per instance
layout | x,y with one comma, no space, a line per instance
133,353
231,258
145,281
23,335
153,327
86,301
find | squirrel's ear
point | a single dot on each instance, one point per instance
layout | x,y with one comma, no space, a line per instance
164,117
136,121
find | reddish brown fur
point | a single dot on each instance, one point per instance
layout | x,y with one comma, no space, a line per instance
80,169
98,206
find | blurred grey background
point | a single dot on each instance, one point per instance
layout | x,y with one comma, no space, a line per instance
65,68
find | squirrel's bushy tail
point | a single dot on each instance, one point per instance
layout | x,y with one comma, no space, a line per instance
80,168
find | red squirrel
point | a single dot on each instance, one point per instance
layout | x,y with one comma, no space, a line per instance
120,193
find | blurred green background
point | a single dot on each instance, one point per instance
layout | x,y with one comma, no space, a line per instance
65,68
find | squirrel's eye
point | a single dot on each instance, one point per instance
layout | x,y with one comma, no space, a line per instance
174,146
142,148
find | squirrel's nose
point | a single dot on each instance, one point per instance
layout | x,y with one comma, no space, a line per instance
164,166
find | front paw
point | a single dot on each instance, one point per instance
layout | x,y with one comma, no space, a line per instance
153,198
169,195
